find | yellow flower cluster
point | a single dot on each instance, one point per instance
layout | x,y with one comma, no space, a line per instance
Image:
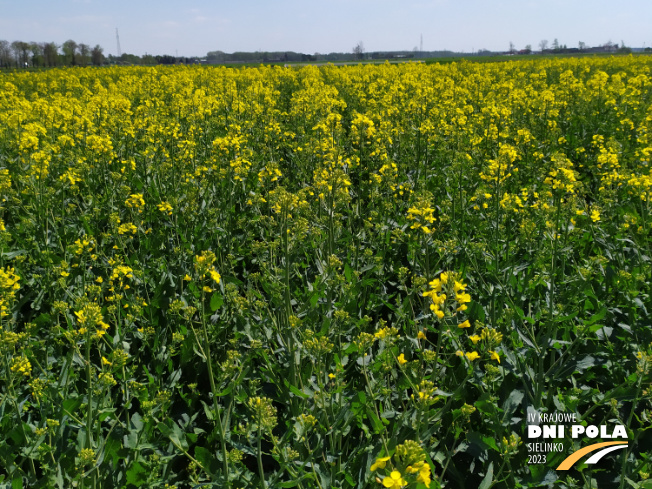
204,266
490,339
135,201
89,317
127,228
264,413
425,393
165,207
445,291
422,218
8,287
21,365
83,245
409,466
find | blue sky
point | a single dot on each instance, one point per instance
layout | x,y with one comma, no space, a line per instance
194,27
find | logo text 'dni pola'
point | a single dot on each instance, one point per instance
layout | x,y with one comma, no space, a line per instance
538,431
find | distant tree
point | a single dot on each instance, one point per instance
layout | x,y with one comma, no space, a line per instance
21,53
543,44
581,46
512,49
130,59
69,49
5,54
15,49
358,50
624,49
84,57
148,59
555,45
216,56
97,55
37,54
50,54
166,59
528,49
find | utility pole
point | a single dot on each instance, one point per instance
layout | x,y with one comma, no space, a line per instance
117,38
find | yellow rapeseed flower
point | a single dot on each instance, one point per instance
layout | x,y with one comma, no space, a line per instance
380,463
472,356
394,480
165,207
215,276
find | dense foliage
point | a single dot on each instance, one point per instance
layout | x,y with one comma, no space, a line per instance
323,277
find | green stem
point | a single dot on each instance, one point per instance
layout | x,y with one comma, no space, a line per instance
288,314
627,451
89,387
259,456
216,406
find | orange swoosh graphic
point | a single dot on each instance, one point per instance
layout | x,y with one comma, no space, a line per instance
574,457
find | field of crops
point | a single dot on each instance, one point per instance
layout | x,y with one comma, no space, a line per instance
355,276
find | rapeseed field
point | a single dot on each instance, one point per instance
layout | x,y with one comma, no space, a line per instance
316,277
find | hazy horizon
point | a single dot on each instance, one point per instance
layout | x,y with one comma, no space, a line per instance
197,27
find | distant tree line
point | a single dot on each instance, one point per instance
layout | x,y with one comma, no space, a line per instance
216,57
557,48
20,54
356,54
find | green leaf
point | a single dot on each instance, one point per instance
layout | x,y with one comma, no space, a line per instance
137,474
10,255
513,401
137,421
111,448
347,272
207,460
596,317
488,478
595,327
632,483
378,425
71,405
208,411
485,405
296,391
295,482
522,315
175,434
216,301
491,442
